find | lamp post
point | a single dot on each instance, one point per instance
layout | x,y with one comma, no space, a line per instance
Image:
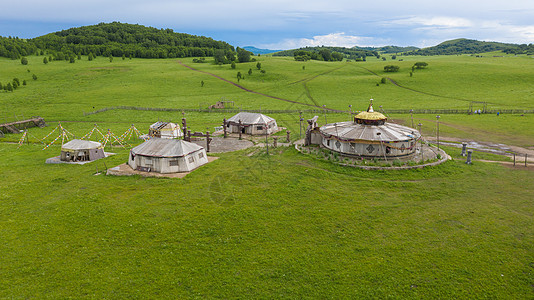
266,140
411,115
437,124
421,138
350,110
300,124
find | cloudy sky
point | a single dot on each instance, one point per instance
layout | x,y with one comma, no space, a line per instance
287,24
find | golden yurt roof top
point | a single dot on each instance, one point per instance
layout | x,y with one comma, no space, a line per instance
370,114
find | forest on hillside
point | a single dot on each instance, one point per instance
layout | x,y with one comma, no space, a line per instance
327,53
461,46
114,39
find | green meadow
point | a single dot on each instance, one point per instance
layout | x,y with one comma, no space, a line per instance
252,225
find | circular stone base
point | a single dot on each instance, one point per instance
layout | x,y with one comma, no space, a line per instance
417,159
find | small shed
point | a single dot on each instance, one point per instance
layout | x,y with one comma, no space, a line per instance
165,130
80,150
252,123
167,156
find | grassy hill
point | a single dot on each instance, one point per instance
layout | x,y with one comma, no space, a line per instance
462,46
252,225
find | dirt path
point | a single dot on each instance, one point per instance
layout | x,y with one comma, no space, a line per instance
500,149
255,92
416,91
320,74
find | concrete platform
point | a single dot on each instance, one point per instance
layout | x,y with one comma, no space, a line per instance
221,144
57,160
126,170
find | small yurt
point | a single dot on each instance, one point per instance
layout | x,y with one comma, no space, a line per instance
80,150
370,135
252,123
167,156
165,130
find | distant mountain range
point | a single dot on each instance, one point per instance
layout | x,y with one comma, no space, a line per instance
388,49
452,47
257,51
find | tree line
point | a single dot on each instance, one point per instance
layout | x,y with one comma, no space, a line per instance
521,49
327,53
114,39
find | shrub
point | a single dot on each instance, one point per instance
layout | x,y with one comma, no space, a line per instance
420,65
24,60
391,68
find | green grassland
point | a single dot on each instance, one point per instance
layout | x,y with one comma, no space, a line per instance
251,225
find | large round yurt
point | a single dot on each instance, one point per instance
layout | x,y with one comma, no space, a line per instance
167,156
251,123
81,150
370,135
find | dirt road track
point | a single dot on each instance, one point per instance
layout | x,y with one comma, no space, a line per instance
255,92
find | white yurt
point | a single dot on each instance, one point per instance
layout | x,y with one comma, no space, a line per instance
80,150
252,123
165,130
167,156
370,135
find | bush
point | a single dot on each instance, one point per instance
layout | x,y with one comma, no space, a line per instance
383,80
391,68
34,77
24,60
420,65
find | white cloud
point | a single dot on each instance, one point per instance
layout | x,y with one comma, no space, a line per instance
433,21
339,39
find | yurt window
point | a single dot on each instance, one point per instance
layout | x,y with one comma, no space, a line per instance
148,161
259,128
173,163
201,155
191,159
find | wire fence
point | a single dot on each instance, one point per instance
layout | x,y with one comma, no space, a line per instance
310,111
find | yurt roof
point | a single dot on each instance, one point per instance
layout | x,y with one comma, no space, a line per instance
365,115
165,148
251,118
160,125
353,132
80,145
